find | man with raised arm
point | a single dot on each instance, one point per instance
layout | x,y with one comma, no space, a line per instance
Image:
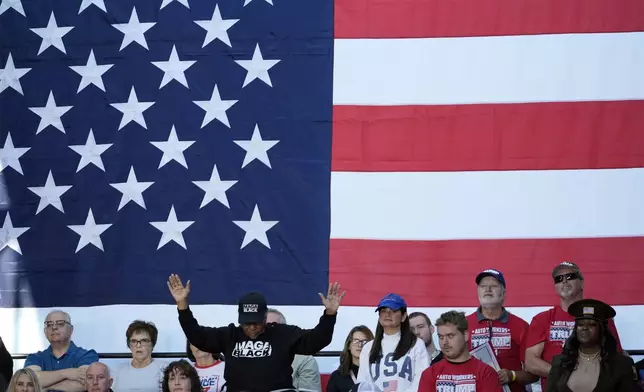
258,355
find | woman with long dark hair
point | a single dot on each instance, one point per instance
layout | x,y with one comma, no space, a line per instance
590,361
395,359
344,377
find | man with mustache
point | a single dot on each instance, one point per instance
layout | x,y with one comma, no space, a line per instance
550,329
458,371
506,332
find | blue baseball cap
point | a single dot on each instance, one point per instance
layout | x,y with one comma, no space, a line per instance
493,273
392,301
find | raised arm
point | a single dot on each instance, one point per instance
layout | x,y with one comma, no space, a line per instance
311,341
208,339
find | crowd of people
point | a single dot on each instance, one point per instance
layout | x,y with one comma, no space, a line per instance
572,347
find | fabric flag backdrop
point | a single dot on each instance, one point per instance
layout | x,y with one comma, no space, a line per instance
274,145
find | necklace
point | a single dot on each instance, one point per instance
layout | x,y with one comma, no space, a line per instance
589,357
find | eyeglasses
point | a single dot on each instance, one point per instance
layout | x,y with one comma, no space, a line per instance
358,342
142,342
568,276
57,323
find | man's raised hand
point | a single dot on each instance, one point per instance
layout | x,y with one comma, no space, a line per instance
179,291
332,300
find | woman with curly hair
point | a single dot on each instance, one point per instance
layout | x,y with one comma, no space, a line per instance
590,361
180,376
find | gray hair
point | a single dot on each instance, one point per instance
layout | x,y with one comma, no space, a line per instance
107,368
66,315
275,311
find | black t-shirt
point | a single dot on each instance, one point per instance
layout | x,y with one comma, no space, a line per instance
262,364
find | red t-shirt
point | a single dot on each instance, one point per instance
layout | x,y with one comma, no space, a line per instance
507,335
469,376
553,327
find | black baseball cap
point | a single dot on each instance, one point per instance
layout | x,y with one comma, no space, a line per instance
252,309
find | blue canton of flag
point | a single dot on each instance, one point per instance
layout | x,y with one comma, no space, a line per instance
141,138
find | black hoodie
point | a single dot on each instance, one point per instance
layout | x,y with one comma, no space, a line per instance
262,364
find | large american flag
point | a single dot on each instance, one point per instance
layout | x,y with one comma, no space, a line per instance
274,145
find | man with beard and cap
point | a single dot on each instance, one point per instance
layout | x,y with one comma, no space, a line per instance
550,329
589,360
258,355
506,332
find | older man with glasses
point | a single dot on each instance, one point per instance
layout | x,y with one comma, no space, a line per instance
62,366
550,329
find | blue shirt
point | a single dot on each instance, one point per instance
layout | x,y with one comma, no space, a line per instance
73,358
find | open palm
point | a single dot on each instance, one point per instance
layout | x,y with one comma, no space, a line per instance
177,289
333,299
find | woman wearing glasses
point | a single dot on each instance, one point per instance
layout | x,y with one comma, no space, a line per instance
344,377
143,373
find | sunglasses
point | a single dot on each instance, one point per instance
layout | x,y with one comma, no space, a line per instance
568,276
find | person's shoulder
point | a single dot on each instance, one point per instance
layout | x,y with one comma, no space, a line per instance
624,361
38,354
483,367
542,317
84,354
81,349
518,320
301,360
472,316
160,363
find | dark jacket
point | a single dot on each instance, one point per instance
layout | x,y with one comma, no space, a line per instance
622,377
262,364
340,383
6,363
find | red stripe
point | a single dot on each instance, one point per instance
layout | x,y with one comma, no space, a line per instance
462,18
531,136
441,273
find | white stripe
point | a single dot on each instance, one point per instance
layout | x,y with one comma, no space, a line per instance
487,205
504,69
103,328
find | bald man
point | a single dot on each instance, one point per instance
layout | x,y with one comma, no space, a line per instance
98,378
